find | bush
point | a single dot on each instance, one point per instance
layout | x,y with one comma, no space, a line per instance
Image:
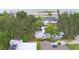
25,38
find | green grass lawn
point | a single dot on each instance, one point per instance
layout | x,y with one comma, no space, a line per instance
73,46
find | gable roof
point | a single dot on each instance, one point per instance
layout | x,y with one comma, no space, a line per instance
50,19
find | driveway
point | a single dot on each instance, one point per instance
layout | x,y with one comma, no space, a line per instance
45,45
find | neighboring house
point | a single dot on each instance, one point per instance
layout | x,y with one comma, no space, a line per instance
50,20
20,45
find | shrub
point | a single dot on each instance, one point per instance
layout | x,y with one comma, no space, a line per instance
25,38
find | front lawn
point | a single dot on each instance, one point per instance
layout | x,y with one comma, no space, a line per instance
73,46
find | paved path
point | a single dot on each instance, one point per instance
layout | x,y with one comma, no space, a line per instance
45,45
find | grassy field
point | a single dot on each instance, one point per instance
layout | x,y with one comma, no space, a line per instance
73,46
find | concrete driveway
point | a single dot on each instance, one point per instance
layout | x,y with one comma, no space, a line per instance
46,45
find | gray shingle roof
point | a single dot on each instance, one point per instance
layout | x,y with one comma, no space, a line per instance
50,19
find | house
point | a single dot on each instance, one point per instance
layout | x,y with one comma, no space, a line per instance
20,45
41,34
50,20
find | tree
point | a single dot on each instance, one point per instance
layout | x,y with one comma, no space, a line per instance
52,29
40,18
21,15
4,41
49,13
38,24
12,27
5,13
25,23
4,38
63,23
69,24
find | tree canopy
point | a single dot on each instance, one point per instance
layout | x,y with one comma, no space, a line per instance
69,23
49,13
52,29
16,27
